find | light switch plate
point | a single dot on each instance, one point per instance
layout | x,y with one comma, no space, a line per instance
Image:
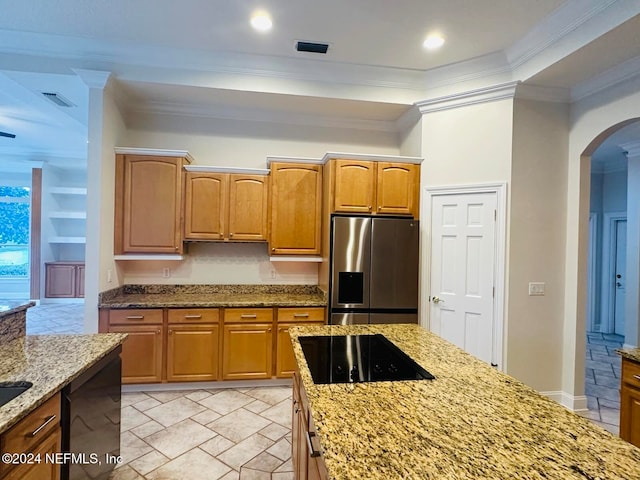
536,288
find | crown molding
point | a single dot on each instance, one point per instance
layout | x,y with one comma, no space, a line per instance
493,65
156,152
370,157
220,169
472,97
556,26
93,78
284,159
632,149
622,72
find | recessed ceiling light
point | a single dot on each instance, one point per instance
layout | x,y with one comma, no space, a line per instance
261,21
433,41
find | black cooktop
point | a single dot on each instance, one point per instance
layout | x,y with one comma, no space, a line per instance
358,358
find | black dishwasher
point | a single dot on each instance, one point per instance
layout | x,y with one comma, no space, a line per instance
91,420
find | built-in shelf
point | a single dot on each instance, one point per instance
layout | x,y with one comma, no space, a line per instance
67,240
68,214
148,256
68,190
295,258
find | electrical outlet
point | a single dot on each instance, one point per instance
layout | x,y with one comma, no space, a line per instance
109,276
536,288
166,272
273,273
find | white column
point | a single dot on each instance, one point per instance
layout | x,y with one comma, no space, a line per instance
96,81
632,294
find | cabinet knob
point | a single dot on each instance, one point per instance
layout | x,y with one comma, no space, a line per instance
369,207
273,249
231,234
221,235
170,332
379,208
158,331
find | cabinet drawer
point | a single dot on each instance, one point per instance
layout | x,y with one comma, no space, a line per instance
33,428
631,373
304,314
249,315
194,315
135,315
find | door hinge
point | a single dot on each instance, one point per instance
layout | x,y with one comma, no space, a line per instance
495,215
493,294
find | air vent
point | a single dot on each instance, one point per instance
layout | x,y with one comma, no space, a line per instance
58,99
312,47
8,135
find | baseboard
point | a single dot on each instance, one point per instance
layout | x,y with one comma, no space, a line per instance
165,387
573,403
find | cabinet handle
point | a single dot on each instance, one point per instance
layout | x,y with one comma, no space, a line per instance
312,451
135,317
637,377
49,419
193,316
301,315
248,315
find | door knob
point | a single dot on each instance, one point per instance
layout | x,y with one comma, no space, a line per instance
437,300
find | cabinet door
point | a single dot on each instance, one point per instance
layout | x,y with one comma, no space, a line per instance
248,200
397,188
247,351
44,470
141,353
80,281
299,449
285,358
148,204
630,414
296,201
192,353
354,186
60,281
205,206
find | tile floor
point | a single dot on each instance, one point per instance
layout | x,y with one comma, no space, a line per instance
602,380
240,433
245,433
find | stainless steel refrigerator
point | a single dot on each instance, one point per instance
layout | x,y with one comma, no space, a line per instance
374,270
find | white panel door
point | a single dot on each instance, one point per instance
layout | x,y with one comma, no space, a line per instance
620,280
463,236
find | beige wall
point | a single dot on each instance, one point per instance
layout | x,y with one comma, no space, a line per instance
537,242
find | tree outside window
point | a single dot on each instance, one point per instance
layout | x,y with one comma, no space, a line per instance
14,231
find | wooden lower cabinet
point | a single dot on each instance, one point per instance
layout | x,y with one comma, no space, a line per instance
247,351
630,402
192,353
64,280
38,433
142,352
142,356
290,317
306,456
198,344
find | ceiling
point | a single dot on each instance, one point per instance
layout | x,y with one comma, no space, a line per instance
202,57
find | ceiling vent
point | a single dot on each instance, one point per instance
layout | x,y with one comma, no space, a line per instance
312,47
8,135
58,99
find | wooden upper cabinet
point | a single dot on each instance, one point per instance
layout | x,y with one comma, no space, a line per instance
205,205
354,187
222,206
248,202
362,186
148,204
296,204
397,188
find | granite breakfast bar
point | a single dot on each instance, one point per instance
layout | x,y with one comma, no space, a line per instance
471,422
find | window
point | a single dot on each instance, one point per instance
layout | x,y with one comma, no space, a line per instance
14,231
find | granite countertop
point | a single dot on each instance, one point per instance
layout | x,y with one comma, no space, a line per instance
9,307
49,362
209,296
632,354
471,422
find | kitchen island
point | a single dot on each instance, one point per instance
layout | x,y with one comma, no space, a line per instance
470,422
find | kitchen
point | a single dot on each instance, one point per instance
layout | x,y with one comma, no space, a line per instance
542,341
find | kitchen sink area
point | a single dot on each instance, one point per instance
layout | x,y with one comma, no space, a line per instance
10,390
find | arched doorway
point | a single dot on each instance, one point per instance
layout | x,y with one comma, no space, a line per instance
613,270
